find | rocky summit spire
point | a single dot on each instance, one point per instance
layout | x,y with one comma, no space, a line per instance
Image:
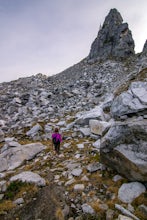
144,52
114,39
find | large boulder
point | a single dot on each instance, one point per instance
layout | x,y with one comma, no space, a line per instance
124,148
99,127
13,157
133,101
29,177
83,118
130,191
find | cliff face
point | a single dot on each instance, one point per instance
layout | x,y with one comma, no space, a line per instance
114,39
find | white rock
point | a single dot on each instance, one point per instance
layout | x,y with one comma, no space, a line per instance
17,155
123,217
87,209
139,89
29,177
80,146
99,127
129,191
1,136
97,144
85,131
79,187
34,130
85,178
96,113
19,201
70,182
3,186
76,172
117,178
126,212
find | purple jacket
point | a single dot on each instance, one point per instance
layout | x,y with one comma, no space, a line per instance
57,136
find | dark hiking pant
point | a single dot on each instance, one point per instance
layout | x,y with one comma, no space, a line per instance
57,147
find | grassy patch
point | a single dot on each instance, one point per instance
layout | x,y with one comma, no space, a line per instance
17,188
6,206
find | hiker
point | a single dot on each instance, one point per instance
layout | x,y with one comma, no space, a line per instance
56,140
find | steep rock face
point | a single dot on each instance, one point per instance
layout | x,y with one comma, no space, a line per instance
114,39
144,52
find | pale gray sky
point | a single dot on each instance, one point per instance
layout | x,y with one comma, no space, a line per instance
48,36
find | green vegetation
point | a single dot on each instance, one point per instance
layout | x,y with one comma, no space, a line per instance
13,189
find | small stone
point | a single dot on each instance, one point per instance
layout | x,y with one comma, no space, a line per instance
76,172
87,209
19,201
79,187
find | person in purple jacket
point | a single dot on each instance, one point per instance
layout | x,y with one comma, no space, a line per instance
56,140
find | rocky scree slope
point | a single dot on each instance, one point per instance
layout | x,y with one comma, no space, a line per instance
100,106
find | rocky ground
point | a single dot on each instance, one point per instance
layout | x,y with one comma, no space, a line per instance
100,107
77,185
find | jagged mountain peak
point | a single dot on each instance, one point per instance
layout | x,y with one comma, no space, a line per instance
114,40
114,17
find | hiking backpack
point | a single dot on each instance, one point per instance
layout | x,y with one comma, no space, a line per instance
56,141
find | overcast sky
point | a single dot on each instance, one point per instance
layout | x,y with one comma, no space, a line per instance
48,36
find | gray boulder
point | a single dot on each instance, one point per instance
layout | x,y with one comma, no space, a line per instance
124,148
15,156
134,101
29,177
87,209
99,127
1,136
34,130
130,191
84,117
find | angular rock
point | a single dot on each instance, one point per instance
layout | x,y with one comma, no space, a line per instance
99,127
76,172
34,130
1,136
79,187
125,212
132,101
29,177
94,167
123,217
14,157
3,186
85,131
84,118
139,90
130,191
19,201
87,209
97,144
124,149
